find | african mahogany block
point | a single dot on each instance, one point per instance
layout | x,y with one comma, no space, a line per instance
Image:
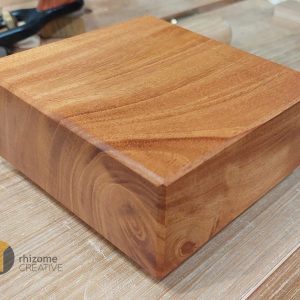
153,135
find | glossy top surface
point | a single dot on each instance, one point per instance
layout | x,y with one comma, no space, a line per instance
158,98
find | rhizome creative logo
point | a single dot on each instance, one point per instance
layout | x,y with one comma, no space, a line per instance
7,257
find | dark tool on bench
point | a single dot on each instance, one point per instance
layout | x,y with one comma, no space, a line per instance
32,21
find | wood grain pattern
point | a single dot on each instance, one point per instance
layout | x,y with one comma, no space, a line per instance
117,145
231,266
284,283
234,263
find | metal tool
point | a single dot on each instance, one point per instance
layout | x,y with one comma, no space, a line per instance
32,21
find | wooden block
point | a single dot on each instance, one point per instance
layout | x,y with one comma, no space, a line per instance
288,11
213,27
153,135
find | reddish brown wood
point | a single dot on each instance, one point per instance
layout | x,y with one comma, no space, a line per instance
153,135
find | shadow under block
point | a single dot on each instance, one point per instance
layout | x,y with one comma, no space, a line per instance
153,135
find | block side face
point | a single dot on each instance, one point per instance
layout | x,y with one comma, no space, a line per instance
203,202
162,96
123,207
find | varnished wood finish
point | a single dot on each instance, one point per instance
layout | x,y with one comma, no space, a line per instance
153,135
230,266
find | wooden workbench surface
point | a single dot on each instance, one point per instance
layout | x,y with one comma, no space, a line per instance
256,256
